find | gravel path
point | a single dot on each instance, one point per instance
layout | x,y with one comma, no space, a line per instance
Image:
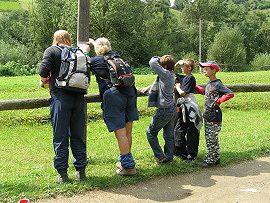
247,182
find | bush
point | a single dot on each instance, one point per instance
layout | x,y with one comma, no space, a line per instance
13,68
142,70
261,62
228,50
14,52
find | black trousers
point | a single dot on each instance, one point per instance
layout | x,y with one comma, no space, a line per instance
186,138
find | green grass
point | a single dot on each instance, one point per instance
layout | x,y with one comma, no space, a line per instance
26,164
16,5
27,155
26,4
9,5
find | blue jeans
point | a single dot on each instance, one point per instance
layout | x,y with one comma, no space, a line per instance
163,118
68,117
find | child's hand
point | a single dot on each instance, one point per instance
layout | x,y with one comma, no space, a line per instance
91,41
144,90
179,63
44,82
177,85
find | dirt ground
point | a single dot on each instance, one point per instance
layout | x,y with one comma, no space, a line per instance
247,182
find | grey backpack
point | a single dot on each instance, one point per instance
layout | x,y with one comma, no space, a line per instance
74,73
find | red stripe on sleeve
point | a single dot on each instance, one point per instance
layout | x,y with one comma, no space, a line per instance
224,98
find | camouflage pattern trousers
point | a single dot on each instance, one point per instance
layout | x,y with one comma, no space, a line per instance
212,143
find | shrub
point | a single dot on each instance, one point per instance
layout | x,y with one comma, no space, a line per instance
142,70
261,62
228,50
14,52
13,68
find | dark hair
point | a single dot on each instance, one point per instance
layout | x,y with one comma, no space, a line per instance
167,62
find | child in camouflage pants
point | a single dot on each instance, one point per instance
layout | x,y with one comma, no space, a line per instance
215,93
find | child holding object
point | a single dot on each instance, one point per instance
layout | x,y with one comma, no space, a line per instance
215,94
189,117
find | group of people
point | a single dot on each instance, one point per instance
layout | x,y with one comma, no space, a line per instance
181,130
177,112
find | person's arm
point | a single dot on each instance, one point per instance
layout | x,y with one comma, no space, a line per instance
91,44
199,89
179,90
145,90
224,98
156,66
45,67
226,94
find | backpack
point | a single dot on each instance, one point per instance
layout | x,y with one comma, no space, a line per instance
74,73
120,71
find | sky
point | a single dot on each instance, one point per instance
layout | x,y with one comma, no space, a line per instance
172,2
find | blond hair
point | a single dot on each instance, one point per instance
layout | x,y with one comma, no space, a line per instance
61,37
102,46
190,63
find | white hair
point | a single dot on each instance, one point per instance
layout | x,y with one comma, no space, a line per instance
102,46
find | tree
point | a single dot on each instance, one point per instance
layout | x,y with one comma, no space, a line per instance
228,50
210,10
256,30
50,15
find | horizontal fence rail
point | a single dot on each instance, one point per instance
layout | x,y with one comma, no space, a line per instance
44,102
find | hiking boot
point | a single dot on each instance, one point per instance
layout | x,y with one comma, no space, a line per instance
62,178
118,165
168,162
160,160
126,172
189,159
206,164
163,160
80,175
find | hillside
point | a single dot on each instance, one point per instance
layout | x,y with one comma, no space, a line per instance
11,5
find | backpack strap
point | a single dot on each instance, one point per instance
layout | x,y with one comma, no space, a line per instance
60,48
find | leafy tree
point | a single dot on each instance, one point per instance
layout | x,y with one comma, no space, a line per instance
14,27
179,4
210,10
47,16
256,30
228,50
124,27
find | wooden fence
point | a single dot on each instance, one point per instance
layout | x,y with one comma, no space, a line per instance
44,102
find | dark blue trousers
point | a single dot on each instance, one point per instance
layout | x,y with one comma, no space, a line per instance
68,116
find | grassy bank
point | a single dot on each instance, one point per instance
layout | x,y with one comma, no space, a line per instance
26,163
9,5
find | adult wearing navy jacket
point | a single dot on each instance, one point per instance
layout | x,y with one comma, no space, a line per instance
119,105
68,112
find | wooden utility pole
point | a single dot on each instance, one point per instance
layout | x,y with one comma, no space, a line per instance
200,43
83,32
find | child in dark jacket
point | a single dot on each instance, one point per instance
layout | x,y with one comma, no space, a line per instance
215,94
189,117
